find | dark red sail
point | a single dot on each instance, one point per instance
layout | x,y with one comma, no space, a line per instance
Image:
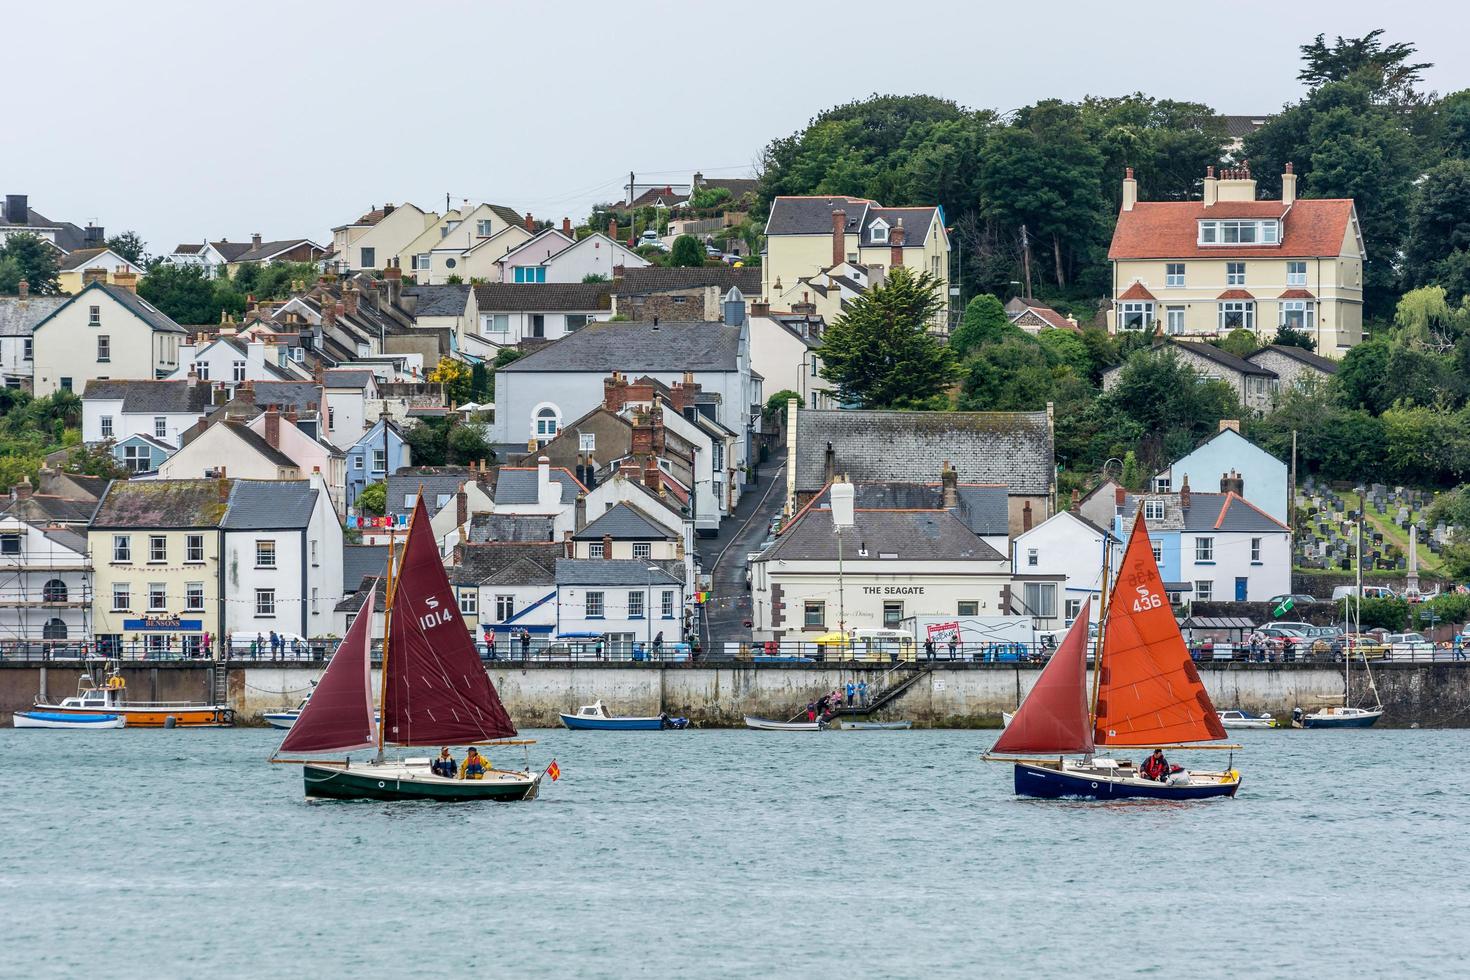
339,715
435,690
1053,718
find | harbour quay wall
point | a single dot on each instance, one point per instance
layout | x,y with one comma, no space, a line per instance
958,695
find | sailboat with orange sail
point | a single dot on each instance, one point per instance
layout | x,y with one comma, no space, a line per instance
1146,695
435,692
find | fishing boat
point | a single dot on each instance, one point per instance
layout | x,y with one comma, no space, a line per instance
110,698
1345,715
596,718
51,719
769,725
434,692
1146,695
1235,718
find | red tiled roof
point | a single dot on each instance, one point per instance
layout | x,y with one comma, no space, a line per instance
1136,291
1169,229
1047,315
1297,294
1235,294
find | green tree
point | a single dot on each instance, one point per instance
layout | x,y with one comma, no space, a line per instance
373,498
455,377
594,277
28,256
880,353
183,292
1170,404
687,252
984,322
1385,70
1239,342
428,441
1013,374
1067,349
776,405
466,443
1425,320
1291,337
130,245
1439,223
1132,476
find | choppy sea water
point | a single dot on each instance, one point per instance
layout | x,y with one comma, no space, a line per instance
731,854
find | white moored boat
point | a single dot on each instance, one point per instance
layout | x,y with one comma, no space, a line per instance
767,725
1234,718
51,719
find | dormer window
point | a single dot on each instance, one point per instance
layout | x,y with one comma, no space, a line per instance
1240,231
878,231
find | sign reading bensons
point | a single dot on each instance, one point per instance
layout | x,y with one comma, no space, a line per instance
893,590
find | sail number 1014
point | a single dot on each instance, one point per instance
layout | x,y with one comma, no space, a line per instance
435,616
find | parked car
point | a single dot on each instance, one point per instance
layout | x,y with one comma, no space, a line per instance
1409,646
1369,592
1365,646
1297,599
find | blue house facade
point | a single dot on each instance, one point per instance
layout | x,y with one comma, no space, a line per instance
369,462
141,453
1258,477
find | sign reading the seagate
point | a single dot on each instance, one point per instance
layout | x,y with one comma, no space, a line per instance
893,590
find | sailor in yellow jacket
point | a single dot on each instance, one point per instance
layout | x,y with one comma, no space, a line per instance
474,766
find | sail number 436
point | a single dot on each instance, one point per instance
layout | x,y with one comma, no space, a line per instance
1146,600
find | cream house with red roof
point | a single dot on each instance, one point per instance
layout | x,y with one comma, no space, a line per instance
1204,268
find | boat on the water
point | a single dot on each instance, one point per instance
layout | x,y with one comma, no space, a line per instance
1005,719
770,725
1336,716
286,717
1235,718
596,718
435,692
1147,695
874,726
63,720
110,698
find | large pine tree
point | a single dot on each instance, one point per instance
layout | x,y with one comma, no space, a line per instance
881,354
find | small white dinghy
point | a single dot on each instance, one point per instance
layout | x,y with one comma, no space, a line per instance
51,719
767,725
1234,718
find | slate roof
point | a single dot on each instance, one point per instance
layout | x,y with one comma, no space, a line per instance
509,215
1225,512
152,397
638,346
69,237
41,508
270,505
257,442
1239,127
80,257
983,509
510,528
902,535
1170,229
657,278
1011,449
517,485
434,479
146,504
623,522
289,395
548,297
360,561
813,215
129,300
916,223
1324,364
613,571
449,300
18,317
266,250
506,564
346,378
1223,358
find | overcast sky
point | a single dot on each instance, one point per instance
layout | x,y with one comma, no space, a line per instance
191,119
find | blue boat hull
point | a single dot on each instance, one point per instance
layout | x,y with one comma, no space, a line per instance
1366,721
1053,784
576,723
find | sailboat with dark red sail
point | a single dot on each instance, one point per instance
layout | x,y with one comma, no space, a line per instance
435,692
1146,694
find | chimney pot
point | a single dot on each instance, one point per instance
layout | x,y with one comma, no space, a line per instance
530,223
23,289
273,428
1026,517
839,236
607,546
566,227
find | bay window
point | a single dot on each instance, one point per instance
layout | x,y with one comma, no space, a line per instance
1237,315
1135,315
1298,314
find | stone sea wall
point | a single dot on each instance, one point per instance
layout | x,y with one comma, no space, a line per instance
1430,695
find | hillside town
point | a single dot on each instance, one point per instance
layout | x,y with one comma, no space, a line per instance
627,428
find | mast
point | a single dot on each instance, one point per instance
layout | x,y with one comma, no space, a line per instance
387,634
1347,661
1102,621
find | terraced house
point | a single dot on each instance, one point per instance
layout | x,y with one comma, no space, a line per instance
1229,261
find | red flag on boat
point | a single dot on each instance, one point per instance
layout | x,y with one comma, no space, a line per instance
339,714
1053,720
1149,692
436,691
554,771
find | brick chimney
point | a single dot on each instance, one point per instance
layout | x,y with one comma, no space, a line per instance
1231,424
23,289
648,432
760,309
949,481
612,228
895,245
23,489
566,227
222,487
461,507
1076,498
607,546
684,393
1120,497
94,274
652,475
566,545
255,240
273,428
1184,495
839,236
614,392
628,469
1130,189
1232,482
1026,517
349,300
530,223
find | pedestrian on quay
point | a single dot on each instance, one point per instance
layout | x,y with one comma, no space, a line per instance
275,645
929,648
490,642
525,644
1458,646
811,711
255,646
953,642
851,690
863,693
207,639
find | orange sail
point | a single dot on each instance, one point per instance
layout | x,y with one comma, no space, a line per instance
1150,692
1053,718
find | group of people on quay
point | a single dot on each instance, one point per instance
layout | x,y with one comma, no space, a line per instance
826,706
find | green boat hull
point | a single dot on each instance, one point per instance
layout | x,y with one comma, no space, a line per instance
337,783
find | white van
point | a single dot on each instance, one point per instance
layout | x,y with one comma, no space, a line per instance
1369,592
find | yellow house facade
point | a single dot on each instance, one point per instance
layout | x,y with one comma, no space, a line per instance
381,235
86,265
1201,269
807,236
104,331
155,547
